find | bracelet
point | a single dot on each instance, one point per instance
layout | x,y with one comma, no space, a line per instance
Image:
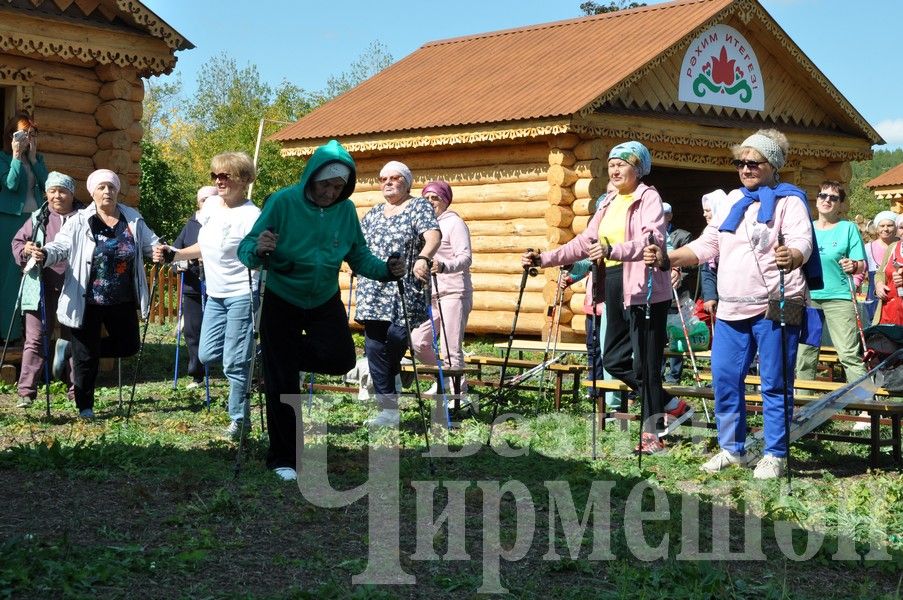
428,260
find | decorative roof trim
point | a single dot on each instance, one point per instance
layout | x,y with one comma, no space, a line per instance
827,150
744,10
530,129
28,43
154,24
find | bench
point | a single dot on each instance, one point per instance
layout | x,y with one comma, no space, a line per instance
879,405
558,369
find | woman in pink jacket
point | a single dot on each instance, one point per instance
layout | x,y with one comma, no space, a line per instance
622,226
453,288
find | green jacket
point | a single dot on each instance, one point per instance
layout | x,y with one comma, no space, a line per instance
313,241
14,183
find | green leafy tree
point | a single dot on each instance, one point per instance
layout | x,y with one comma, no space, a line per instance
862,199
373,60
593,8
167,198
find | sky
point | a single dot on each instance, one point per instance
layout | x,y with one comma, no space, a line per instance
856,45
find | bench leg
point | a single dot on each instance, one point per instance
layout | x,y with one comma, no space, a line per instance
624,408
456,389
575,390
895,432
874,451
559,381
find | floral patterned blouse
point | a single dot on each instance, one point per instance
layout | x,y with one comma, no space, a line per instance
401,234
112,276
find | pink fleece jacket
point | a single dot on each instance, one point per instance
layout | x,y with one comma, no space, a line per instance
644,216
455,254
747,273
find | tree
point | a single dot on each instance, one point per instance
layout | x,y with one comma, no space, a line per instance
862,199
167,197
592,8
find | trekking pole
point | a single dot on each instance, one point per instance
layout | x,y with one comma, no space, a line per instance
350,291
648,323
683,324
784,369
155,272
531,272
12,318
436,349
407,328
175,375
441,316
594,372
856,310
553,314
45,343
203,306
255,338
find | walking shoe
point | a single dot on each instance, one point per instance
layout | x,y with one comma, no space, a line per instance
863,425
59,359
233,431
387,417
650,445
193,385
286,473
24,402
677,415
86,414
723,460
770,467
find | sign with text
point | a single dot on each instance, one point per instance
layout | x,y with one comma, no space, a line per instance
721,68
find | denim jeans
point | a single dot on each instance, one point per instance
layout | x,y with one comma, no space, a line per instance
227,334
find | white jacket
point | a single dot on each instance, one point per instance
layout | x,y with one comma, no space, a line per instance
75,243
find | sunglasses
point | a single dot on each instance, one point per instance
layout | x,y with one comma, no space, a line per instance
831,197
218,176
752,165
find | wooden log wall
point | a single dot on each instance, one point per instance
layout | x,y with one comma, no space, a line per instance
536,195
88,118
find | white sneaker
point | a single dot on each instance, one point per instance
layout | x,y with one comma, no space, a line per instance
286,473
24,402
433,389
723,460
387,417
193,385
863,425
770,467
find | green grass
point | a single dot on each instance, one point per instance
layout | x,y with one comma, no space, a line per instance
148,507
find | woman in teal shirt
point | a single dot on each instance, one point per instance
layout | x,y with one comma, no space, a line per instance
842,255
22,179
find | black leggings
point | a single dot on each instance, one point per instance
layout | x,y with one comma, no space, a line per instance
121,323
297,339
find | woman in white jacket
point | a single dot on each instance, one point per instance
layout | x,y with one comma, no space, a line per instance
105,283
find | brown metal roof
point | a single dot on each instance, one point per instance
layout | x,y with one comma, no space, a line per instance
543,71
892,177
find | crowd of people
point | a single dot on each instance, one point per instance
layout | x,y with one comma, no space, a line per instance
277,269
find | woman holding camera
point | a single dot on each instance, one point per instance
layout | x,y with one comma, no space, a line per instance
22,179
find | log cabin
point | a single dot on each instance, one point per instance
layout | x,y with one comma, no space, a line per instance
888,187
77,67
521,121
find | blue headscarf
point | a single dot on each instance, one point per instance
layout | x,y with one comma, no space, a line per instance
768,197
627,149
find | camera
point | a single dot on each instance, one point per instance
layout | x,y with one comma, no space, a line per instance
20,136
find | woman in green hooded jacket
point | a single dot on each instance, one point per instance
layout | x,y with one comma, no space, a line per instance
302,237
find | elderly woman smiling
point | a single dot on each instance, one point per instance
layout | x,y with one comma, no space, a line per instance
619,230
395,227
748,242
104,284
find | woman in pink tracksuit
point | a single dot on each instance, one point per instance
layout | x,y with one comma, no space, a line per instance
453,289
634,343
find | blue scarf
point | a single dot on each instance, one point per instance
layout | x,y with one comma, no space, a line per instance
768,197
